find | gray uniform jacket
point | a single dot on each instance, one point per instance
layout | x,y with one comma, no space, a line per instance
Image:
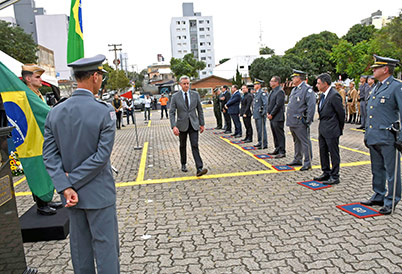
276,104
79,137
301,106
186,115
260,103
383,109
364,90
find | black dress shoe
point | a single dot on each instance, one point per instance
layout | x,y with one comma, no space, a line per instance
55,205
372,203
263,147
293,163
218,128
322,177
234,134
248,141
227,131
237,136
201,172
245,139
386,210
304,168
331,181
280,155
275,152
46,210
257,145
184,168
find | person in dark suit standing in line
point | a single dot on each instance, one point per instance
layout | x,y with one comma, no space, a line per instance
332,120
190,119
260,114
78,141
276,116
246,113
224,98
233,109
217,108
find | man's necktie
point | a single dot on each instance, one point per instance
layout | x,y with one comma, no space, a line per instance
187,104
322,99
378,86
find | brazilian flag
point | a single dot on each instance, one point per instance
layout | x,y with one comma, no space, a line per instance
27,113
75,43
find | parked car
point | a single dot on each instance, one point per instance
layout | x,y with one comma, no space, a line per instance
139,103
106,96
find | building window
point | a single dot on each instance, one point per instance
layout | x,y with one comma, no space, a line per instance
179,51
204,73
178,29
201,21
179,37
178,22
242,67
208,29
185,51
179,44
203,58
207,21
183,29
208,43
202,44
208,35
209,50
203,51
184,44
209,57
184,37
183,22
202,36
209,65
201,29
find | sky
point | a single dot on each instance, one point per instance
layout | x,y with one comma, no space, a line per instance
143,27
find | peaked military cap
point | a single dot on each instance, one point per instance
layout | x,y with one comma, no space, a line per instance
384,61
364,76
33,68
298,73
258,82
89,64
370,77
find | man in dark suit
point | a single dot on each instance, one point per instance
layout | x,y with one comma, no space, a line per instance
79,137
233,108
224,98
276,116
332,119
190,120
245,112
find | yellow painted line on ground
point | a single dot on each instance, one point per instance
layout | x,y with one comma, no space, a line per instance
347,148
211,176
149,123
141,170
19,181
248,153
355,129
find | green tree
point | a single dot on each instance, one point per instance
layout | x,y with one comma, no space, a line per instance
267,50
223,60
189,66
117,80
16,43
359,33
317,49
238,79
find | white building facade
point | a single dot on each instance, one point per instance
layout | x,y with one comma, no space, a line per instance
52,32
193,33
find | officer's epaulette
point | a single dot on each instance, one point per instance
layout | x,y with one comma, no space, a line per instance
101,101
399,80
62,99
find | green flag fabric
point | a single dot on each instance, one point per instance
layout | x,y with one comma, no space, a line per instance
75,43
27,113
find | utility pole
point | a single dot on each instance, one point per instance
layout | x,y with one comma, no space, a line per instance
115,49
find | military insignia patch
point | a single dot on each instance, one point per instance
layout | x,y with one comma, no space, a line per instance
310,90
113,115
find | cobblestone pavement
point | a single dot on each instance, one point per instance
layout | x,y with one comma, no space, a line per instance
242,217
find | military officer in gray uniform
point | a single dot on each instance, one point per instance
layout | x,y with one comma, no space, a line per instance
260,104
79,137
382,136
364,89
299,116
